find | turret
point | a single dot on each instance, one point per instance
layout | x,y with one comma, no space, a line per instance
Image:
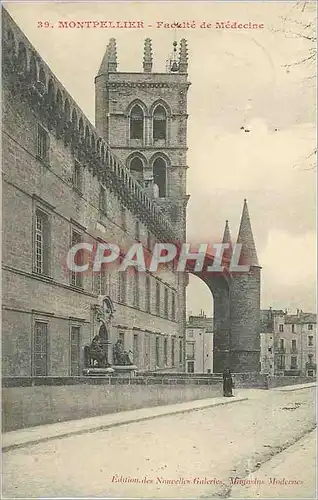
228,240
147,62
246,239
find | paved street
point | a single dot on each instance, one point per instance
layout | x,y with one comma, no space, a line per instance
200,450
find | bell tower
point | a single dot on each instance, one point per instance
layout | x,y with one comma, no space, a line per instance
143,117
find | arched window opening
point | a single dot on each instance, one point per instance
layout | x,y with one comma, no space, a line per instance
159,123
59,102
137,169
160,176
81,128
11,42
22,57
67,111
33,69
87,138
42,77
74,120
136,122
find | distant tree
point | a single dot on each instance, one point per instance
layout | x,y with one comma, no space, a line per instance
300,23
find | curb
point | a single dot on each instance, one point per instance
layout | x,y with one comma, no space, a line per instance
111,424
288,388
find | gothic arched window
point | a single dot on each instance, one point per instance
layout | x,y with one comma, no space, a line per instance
22,57
160,176
159,127
136,122
137,168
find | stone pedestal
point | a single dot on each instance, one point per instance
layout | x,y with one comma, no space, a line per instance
98,372
125,370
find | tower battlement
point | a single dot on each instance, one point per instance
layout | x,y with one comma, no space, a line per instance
143,117
177,64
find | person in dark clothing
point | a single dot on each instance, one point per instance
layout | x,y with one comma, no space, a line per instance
227,383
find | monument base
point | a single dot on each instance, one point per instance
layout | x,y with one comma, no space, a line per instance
98,372
125,370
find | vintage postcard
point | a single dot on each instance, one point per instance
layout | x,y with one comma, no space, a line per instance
159,249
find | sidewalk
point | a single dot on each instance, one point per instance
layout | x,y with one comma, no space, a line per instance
296,387
296,464
33,435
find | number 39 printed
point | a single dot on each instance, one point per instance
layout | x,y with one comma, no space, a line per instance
44,24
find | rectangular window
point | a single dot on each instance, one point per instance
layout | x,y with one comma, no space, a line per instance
173,348
281,344
173,306
165,351
76,278
180,352
293,328
122,286
293,345
77,177
281,328
190,350
310,327
190,366
97,282
41,241
157,352
158,298
149,241
148,293
136,293
42,144
75,351
123,217
166,302
147,351
137,230
40,354
103,199
135,349
293,362
105,281
310,340
281,362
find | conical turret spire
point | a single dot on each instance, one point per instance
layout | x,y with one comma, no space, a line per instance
183,56
246,239
228,240
104,64
109,61
227,234
147,62
112,65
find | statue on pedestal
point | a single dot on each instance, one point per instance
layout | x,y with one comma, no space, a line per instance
120,356
97,351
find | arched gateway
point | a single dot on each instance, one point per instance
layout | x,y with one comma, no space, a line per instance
236,303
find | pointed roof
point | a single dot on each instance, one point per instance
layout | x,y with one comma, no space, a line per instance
147,62
104,64
109,61
227,234
246,239
227,254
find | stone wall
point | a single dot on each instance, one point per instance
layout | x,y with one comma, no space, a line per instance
24,405
31,183
261,381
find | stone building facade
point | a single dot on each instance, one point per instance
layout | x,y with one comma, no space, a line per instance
66,182
288,343
199,344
